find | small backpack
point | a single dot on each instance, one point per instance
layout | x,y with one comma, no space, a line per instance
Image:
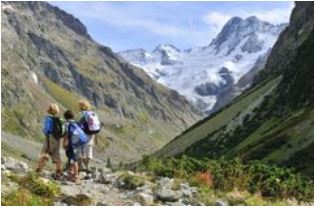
58,130
92,124
76,135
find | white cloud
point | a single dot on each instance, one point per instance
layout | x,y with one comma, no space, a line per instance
216,20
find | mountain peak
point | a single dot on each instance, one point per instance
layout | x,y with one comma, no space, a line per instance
236,29
253,19
166,47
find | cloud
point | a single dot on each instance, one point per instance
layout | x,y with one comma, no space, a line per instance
217,19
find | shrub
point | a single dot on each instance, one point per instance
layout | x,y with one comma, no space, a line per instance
131,181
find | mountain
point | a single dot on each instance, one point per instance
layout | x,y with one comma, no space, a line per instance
273,121
48,56
209,76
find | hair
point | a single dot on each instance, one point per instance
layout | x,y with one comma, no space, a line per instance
84,105
53,109
68,114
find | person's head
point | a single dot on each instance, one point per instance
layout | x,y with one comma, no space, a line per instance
68,115
53,109
84,105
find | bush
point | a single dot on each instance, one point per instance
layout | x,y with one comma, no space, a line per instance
131,181
32,191
226,175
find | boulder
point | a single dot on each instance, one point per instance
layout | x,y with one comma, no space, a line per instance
168,195
145,199
16,166
220,203
101,204
105,179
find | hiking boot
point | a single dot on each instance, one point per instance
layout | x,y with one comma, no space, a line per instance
57,176
87,177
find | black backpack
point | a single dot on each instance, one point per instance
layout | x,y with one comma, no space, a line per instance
58,130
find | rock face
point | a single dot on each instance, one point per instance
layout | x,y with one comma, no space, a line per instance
301,25
196,72
42,41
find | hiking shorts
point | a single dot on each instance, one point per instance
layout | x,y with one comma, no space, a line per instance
53,149
74,154
88,148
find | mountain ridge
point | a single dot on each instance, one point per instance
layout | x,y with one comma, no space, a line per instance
64,69
237,48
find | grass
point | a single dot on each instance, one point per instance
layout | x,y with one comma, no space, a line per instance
67,98
215,122
32,191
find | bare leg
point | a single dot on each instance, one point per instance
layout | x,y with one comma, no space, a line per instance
58,170
41,163
86,162
76,172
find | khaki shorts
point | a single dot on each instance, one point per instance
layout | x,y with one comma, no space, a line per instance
88,148
54,149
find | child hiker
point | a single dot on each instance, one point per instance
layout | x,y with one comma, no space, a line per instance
53,131
74,142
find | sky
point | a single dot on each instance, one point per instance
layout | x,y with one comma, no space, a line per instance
132,25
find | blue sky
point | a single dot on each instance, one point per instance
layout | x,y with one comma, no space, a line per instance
131,25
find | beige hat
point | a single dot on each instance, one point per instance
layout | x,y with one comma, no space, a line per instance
84,105
53,109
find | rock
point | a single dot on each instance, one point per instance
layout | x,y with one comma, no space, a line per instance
175,204
187,193
145,199
101,204
184,186
166,194
220,203
8,187
58,203
136,204
166,182
105,179
78,200
3,160
2,167
16,166
105,190
194,191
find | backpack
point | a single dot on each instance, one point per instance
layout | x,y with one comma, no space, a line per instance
58,130
91,124
76,135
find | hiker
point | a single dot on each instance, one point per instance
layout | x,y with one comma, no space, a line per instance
90,123
53,131
74,142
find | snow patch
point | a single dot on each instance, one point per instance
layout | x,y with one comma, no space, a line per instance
34,77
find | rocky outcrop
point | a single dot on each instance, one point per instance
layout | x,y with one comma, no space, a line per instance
301,25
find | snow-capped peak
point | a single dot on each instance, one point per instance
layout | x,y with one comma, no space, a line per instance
202,74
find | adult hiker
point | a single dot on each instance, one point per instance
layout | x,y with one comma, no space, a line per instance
91,125
74,142
53,131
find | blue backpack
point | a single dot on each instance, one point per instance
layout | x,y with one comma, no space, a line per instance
76,135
